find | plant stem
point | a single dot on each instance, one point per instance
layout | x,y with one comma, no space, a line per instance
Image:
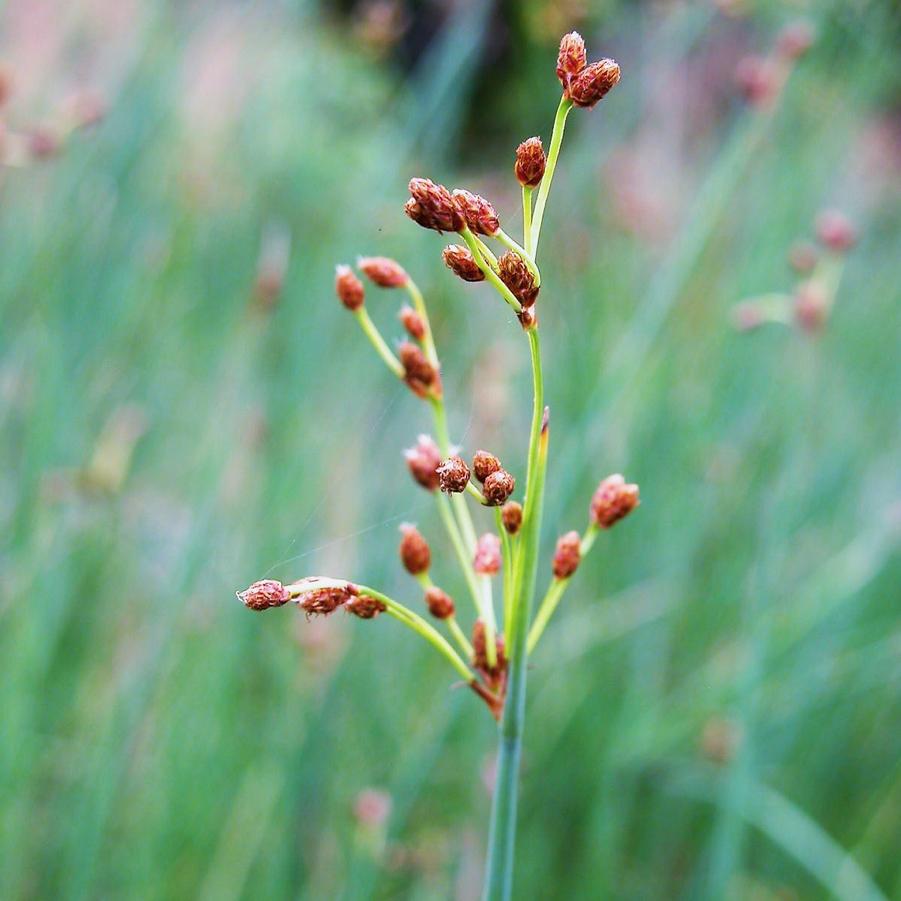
507,558
378,342
447,516
553,152
527,218
473,245
453,626
419,304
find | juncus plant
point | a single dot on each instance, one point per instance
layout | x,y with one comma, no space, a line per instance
499,565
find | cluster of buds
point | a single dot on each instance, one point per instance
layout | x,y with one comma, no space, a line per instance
762,78
818,267
313,595
584,83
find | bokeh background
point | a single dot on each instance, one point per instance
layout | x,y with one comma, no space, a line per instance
185,408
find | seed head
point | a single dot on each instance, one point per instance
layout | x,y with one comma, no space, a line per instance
265,594
349,288
803,257
420,375
439,602
462,263
487,559
613,500
423,462
516,276
594,82
433,206
479,214
365,606
453,475
480,658
511,515
568,555
571,59
835,231
811,306
795,40
483,464
414,550
498,487
322,600
385,272
412,322
530,163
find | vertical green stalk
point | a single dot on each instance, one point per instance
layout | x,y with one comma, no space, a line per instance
543,191
527,218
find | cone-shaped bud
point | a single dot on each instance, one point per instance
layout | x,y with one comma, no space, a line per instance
383,271
439,602
419,374
483,464
594,82
795,40
423,462
323,601
349,288
365,606
835,231
414,550
511,516
412,322
462,263
568,555
571,59
530,163
479,214
811,306
433,206
516,276
453,475
487,558
613,500
265,594
498,487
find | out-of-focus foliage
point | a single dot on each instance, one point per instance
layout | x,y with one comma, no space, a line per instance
185,408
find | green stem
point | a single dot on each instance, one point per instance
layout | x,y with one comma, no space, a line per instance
453,626
490,258
507,559
527,218
553,152
419,305
490,274
378,342
464,559
509,243
476,494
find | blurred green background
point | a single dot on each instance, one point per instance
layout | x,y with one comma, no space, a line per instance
715,712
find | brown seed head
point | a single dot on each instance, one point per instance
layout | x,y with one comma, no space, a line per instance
487,559
511,516
594,82
385,272
462,263
453,475
516,276
498,487
265,594
349,288
483,464
412,322
568,555
323,601
835,231
433,206
423,462
571,59
530,163
613,500
365,606
419,374
811,306
480,658
479,214
439,602
803,257
414,550
795,40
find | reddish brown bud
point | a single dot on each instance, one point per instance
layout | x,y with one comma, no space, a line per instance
835,231
349,288
439,602
613,500
795,40
571,59
483,464
419,374
462,263
265,594
511,516
530,163
568,555
498,487
516,276
365,606
323,600
594,82
757,80
479,214
43,143
493,676
372,807
487,559
527,318
453,475
414,550
423,462
803,257
811,306
385,272
433,206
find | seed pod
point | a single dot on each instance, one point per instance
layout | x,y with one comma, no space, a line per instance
265,594
412,322
440,604
571,59
479,214
487,559
385,272
835,231
423,462
453,475
462,263
613,500
414,550
493,676
483,464
530,163
323,601
419,374
498,487
511,516
349,288
515,274
365,606
594,82
433,206
567,555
